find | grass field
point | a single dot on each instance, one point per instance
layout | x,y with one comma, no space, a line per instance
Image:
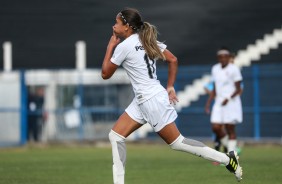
146,164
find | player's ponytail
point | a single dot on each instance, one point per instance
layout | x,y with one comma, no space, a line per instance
147,32
148,35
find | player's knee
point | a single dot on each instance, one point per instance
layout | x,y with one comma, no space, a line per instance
115,137
216,129
231,132
232,136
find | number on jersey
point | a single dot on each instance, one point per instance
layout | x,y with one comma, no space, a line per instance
150,65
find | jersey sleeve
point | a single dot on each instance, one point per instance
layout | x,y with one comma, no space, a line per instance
237,76
119,55
162,46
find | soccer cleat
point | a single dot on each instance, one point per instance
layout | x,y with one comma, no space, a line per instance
234,166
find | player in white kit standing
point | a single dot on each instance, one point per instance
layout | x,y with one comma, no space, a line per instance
138,53
227,109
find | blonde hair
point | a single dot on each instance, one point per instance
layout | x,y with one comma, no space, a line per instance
148,33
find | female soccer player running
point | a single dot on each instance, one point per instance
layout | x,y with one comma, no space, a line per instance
138,53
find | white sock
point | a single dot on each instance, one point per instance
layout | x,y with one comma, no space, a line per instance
232,145
224,141
119,156
199,149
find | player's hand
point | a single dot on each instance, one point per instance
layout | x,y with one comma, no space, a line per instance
114,41
172,95
207,108
224,102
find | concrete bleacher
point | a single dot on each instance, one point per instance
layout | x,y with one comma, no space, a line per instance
274,55
186,75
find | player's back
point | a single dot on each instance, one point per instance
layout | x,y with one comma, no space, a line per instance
140,68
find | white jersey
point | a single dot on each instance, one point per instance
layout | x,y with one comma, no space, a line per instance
224,79
139,67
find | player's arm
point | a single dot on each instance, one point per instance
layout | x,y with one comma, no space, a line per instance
172,71
210,99
238,89
109,68
237,79
236,92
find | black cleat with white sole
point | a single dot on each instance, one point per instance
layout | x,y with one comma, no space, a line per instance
234,166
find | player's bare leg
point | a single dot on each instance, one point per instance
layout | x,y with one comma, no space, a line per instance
171,135
125,125
122,129
218,135
218,129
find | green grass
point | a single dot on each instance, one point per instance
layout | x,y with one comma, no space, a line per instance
152,164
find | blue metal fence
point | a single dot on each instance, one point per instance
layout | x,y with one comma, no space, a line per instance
256,102
262,106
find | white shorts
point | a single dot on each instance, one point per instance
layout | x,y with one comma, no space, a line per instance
231,113
157,111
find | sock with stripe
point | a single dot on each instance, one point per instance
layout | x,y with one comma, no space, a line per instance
199,149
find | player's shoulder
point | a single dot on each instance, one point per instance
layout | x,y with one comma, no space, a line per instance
216,67
162,45
122,45
128,42
233,66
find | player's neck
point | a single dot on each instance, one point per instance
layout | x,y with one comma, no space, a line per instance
223,65
128,35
